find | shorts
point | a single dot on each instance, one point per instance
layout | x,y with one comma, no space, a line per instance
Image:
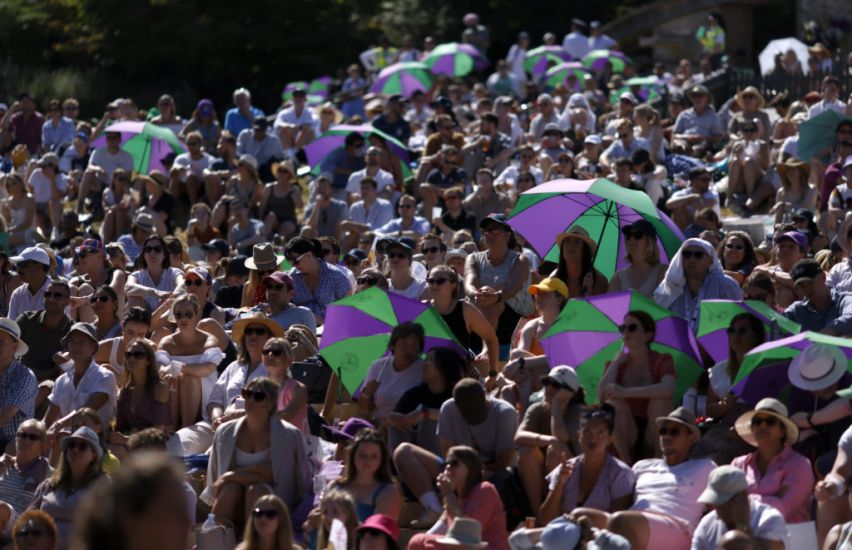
667,532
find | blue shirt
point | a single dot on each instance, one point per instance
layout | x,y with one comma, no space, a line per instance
53,137
704,125
341,159
419,225
837,316
379,214
236,122
263,151
18,388
333,285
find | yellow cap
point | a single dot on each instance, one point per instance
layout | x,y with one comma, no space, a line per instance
550,284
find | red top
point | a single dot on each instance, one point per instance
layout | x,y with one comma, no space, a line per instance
659,365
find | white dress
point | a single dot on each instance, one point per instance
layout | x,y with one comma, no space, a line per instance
172,364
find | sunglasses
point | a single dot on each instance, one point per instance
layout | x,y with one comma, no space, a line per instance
368,281
193,282
183,314
268,514
84,253
256,395
406,206
137,354
669,431
273,351
25,435
492,229
77,445
742,331
431,250
733,246
631,327
102,299
437,281
256,332
154,249
768,420
397,255
272,286
636,235
54,295
688,254
296,261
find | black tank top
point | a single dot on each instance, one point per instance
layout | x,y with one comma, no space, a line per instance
455,320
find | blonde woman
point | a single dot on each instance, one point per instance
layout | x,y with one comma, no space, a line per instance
648,127
268,526
645,271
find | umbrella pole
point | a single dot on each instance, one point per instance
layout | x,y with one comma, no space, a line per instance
607,215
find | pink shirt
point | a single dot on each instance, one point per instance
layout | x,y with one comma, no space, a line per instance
284,398
787,485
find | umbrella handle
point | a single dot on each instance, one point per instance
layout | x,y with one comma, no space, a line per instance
339,384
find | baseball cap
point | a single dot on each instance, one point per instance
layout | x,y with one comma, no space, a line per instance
49,158
327,176
699,90
550,284
82,135
281,278
595,25
199,272
563,376
552,128
259,123
593,138
805,269
356,253
90,245
32,254
627,96
204,107
723,484
796,236
219,245
495,217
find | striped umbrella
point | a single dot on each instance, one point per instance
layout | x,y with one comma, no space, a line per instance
455,59
403,78
147,143
537,60
596,59
559,74
599,206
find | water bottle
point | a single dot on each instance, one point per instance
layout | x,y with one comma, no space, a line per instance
209,524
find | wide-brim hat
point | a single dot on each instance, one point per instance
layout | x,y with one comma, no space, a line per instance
239,327
89,436
792,164
817,368
264,258
10,327
285,165
772,407
463,532
249,162
577,232
682,416
761,101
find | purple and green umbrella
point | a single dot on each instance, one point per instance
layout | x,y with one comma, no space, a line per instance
455,59
645,88
715,317
764,370
585,336
358,328
316,91
333,139
537,60
559,75
147,143
403,78
602,208
596,59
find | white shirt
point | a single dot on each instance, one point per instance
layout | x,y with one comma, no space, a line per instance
672,490
380,213
576,44
96,379
709,194
230,384
845,443
822,106
383,179
41,185
602,42
392,384
288,117
840,276
109,162
21,299
511,173
196,166
414,290
764,521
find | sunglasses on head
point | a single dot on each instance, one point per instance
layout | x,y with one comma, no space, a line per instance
629,327
768,420
368,281
193,282
688,254
437,281
30,436
295,261
102,299
135,354
54,295
256,395
256,332
273,351
183,314
671,430
154,249
268,514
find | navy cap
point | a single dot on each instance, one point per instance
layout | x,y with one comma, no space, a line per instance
495,218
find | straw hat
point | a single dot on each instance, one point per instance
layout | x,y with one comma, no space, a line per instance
817,368
329,106
578,232
285,165
793,164
239,327
761,102
11,328
771,407
463,532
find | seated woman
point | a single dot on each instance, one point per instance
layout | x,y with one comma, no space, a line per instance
78,471
280,200
155,280
143,400
645,271
575,269
639,383
466,494
192,356
23,472
736,251
89,418
268,526
776,474
415,417
594,479
93,272
391,376
745,333
399,275
337,505
105,306
242,468
795,192
18,210
547,433
199,231
136,324
367,477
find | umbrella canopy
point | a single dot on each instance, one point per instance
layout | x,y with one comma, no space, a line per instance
764,370
818,133
781,45
333,139
596,59
455,59
537,60
601,207
320,86
559,74
317,90
585,336
403,78
147,143
715,317
358,328
645,88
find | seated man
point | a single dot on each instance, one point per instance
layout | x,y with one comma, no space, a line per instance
469,418
727,495
666,510
187,171
44,330
696,196
407,222
17,383
325,213
102,164
279,287
821,308
21,473
367,214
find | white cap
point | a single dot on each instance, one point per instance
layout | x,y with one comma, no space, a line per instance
593,138
32,254
723,484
